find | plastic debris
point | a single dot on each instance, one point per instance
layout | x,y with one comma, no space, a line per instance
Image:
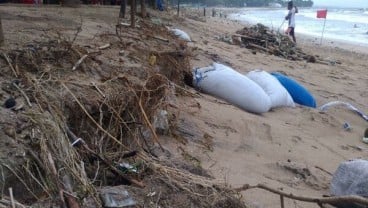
161,122
10,103
181,34
116,197
365,137
346,126
152,60
351,178
347,105
126,167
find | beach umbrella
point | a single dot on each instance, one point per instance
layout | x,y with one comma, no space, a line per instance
322,14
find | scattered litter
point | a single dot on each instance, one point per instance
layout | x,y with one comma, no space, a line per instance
126,167
104,46
350,178
365,140
161,122
181,34
346,105
151,194
116,197
152,60
10,103
156,21
225,38
346,126
365,137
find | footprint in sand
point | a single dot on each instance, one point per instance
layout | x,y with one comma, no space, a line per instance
296,139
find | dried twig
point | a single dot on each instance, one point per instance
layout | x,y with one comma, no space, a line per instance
8,203
327,200
92,119
104,46
24,94
98,89
10,64
79,62
159,38
11,197
56,178
20,179
101,158
155,137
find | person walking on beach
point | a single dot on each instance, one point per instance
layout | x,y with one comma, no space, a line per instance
291,18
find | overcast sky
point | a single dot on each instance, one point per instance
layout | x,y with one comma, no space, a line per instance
342,3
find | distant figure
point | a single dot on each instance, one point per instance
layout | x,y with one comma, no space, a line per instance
355,26
291,18
159,5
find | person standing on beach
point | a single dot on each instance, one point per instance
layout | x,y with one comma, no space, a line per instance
291,18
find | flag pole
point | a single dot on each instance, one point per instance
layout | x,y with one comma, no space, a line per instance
323,30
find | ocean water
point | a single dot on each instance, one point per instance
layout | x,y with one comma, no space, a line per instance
347,25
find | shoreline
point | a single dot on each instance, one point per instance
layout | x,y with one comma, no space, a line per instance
350,45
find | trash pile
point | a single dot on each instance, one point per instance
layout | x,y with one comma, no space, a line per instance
77,120
260,38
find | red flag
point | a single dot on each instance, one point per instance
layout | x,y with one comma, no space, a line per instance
322,13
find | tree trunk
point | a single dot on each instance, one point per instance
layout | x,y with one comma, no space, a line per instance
178,7
132,13
143,9
122,9
71,3
1,33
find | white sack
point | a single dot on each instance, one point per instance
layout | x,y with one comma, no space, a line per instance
181,34
278,94
225,83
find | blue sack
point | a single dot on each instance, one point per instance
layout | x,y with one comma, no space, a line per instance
299,94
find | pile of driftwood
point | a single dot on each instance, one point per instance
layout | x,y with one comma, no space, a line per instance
83,120
261,38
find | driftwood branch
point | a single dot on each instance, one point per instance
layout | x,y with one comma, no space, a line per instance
10,64
159,38
335,200
24,94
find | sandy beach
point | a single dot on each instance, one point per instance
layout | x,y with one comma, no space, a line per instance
295,150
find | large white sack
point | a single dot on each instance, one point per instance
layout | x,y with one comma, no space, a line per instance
278,94
181,34
225,83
